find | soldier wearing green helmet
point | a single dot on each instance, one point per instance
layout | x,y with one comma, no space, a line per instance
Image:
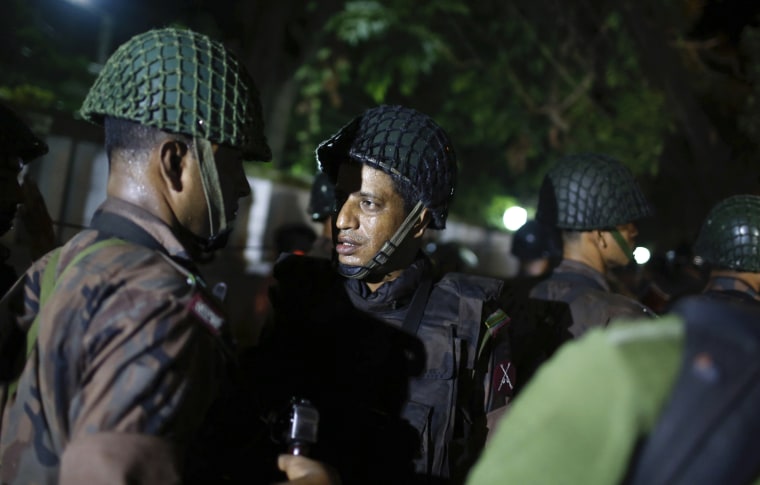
667,401
112,346
728,243
595,202
417,360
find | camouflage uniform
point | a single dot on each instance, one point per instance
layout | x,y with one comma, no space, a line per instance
591,302
124,348
124,344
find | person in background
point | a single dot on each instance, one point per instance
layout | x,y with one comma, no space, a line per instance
112,348
669,401
321,209
595,202
537,247
18,147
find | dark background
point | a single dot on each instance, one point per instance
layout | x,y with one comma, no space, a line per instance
667,86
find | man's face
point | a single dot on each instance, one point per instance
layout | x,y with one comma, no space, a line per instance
232,186
614,254
370,213
10,191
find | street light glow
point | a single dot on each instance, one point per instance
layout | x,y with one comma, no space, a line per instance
81,3
641,255
514,217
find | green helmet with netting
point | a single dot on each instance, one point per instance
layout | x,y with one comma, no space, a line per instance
590,191
182,82
404,143
730,235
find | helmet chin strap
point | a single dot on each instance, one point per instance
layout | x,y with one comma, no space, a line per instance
212,190
385,253
622,243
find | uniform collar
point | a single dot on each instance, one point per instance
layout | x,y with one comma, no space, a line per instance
392,295
572,266
727,283
151,224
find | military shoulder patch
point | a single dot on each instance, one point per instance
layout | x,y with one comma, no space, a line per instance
496,321
204,311
503,379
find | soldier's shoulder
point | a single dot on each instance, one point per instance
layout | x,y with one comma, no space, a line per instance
629,333
622,306
471,286
117,260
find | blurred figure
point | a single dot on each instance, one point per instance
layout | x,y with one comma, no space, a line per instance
19,146
668,402
451,257
678,272
538,248
538,326
289,239
321,209
729,244
296,238
595,201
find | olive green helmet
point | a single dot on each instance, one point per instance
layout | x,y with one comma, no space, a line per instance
590,191
182,82
404,143
730,235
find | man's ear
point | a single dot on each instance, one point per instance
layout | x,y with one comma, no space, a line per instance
601,240
173,153
423,221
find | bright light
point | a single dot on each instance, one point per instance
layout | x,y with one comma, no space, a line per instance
515,217
641,255
81,3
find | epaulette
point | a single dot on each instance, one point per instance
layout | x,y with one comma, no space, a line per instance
203,305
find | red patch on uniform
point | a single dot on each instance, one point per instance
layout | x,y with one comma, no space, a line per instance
503,379
206,313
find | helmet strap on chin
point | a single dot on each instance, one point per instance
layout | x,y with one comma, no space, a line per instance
622,243
212,190
388,249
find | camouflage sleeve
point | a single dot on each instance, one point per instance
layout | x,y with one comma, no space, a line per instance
142,459
18,309
149,367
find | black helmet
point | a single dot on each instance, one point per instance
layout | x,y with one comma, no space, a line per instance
730,235
322,198
590,191
16,139
404,143
536,241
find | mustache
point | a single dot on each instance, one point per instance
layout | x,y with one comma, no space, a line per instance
350,238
